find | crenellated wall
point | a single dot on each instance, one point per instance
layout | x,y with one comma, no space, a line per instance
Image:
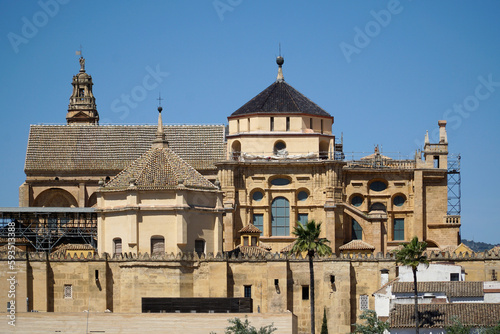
124,279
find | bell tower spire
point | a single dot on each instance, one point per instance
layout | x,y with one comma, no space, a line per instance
82,109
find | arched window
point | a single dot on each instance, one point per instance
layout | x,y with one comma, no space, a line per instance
280,217
357,231
236,150
117,246
279,148
377,207
157,245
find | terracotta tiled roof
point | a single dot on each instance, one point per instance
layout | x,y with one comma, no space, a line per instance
288,248
250,228
63,248
440,315
111,148
248,250
159,168
280,97
265,246
6,248
451,289
356,245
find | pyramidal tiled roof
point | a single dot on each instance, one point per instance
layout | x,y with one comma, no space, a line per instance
356,245
280,97
250,228
159,168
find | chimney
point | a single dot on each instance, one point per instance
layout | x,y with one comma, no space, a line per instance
384,276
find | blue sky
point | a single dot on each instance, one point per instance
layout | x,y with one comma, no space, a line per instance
386,70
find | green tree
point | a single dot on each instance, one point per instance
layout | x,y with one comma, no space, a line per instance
324,326
372,324
457,327
308,241
412,254
491,330
244,327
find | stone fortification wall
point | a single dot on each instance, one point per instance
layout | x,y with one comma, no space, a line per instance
276,281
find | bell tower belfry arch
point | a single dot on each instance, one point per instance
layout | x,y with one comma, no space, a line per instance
82,109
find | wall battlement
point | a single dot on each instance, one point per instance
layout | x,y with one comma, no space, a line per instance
219,257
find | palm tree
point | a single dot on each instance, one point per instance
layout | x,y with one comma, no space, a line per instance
308,240
412,254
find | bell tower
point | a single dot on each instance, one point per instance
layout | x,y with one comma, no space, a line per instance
82,108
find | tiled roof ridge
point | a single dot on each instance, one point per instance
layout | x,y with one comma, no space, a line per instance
122,125
441,315
450,288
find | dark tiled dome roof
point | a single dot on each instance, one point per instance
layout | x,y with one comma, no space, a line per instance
280,97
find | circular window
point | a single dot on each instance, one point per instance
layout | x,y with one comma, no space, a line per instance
279,146
302,196
357,201
257,196
399,200
280,182
378,186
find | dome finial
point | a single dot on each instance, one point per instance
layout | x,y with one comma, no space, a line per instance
280,61
160,141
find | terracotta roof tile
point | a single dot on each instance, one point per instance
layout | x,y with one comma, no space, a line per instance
248,250
440,315
63,248
159,168
451,289
280,97
356,245
288,248
111,148
250,228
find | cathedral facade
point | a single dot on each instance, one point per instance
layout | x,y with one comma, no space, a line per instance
208,211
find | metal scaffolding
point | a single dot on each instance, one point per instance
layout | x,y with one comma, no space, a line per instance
454,188
45,228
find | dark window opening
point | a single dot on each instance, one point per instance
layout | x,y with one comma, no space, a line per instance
248,291
436,161
305,292
357,201
288,124
117,246
454,277
199,246
272,123
157,245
